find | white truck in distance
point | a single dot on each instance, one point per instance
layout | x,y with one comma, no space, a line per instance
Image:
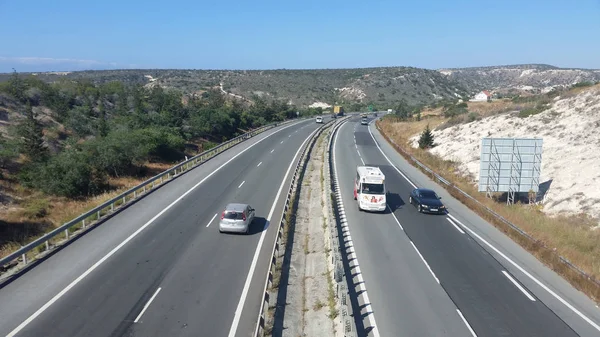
369,188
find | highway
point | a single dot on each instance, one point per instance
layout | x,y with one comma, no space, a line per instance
446,275
161,267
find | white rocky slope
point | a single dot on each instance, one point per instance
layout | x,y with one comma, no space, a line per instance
571,150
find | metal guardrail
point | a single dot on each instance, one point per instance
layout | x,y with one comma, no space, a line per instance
98,213
516,228
342,283
292,196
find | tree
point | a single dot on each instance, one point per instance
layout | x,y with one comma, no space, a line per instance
426,140
32,138
403,110
17,86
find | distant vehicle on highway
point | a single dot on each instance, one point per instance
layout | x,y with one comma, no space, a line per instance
364,121
236,218
426,201
319,119
369,188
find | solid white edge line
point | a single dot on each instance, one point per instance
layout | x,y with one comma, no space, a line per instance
543,286
147,305
340,202
242,301
388,159
259,164
241,184
130,237
211,220
455,226
466,323
427,264
518,286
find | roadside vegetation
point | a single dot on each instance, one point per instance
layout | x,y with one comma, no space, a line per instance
569,236
67,146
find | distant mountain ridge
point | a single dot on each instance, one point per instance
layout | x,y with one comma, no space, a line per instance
530,77
382,86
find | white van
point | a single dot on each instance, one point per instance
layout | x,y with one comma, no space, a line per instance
369,188
319,119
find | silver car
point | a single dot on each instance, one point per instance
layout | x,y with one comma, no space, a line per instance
236,218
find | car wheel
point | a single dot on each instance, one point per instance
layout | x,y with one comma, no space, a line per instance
410,200
420,209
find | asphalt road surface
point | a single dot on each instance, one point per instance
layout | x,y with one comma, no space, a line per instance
161,267
433,275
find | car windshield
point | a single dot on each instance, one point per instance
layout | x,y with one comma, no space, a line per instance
372,188
233,215
428,195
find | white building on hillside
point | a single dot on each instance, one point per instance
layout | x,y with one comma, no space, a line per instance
482,96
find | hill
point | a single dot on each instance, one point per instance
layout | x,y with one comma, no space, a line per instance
382,87
533,78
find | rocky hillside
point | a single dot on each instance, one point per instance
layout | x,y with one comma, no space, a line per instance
535,78
382,87
570,128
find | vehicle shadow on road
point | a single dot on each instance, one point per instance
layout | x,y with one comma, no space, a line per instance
259,225
394,201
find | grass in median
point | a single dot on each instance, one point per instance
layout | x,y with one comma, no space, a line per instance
570,236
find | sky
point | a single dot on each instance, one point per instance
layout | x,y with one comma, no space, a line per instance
68,35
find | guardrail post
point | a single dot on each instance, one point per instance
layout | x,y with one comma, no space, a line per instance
24,257
135,194
98,215
112,207
144,189
83,222
161,180
168,175
67,234
47,245
124,199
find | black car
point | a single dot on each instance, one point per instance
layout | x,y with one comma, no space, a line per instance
426,201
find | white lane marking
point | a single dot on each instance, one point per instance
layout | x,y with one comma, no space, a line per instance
518,286
259,164
394,215
466,323
427,264
543,286
388,159
456,226
281,142
352,255
272,150
240,306
242,184
361,159
567,304
147,305
129,238
289,136
211,220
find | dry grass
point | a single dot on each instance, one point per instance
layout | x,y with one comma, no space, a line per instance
569,236
32,213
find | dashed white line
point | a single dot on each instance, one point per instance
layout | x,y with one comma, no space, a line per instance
289,136
518,286
147,305
466,323
526,273
281,142
238,311
259,164
427,264
543,286
456,226
130,237
272,150
395,218
211,220
242,184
